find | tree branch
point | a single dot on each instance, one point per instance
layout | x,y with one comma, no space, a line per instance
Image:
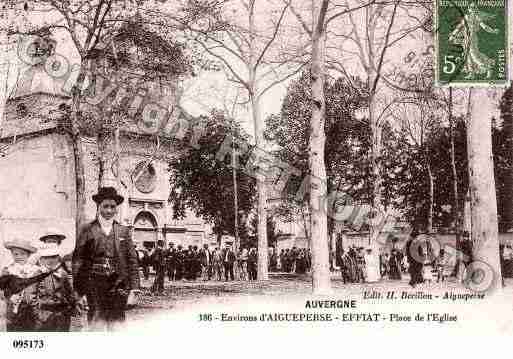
299,18
281,80
227,64
382,55
273,37
356,8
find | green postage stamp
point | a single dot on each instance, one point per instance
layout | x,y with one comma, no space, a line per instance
471,42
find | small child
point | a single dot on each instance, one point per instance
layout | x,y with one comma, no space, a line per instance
55,301
20,313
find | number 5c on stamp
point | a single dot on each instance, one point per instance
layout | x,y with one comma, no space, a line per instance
471,42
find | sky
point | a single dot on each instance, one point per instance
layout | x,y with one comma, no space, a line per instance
208,90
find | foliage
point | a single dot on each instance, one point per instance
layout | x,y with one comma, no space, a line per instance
348,140
414,185
204,184
502,137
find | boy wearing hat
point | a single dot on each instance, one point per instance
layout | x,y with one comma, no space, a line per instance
55,237
52,236
55,301
20,312
105,264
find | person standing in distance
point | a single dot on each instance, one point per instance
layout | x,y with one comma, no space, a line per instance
228,261
158,259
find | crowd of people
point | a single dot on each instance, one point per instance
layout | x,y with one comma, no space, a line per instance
194,263
424,265
357,266
292,260
417,258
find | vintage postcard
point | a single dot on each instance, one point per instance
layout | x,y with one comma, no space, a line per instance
242,166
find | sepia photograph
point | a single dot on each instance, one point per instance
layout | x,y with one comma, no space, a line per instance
220,164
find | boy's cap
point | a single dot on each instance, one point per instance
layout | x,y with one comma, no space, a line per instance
20,243
52,232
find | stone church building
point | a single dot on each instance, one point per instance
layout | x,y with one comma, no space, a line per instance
37,181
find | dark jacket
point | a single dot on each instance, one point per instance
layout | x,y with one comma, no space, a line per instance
252,258
231,256
86,253
205,257
158,259
56,303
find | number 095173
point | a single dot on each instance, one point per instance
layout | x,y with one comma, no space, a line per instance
28,344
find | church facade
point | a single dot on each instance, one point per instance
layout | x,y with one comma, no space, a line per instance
37,173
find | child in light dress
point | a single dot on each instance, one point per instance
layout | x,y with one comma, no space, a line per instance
20,315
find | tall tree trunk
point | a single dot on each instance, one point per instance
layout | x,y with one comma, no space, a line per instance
259,141
108,150
507,127
235,198
457,212
484,224
78,157
431,198
101,161
78,153
306,224
219,238
4,70
375,168
321,281
466,224
261,199
332,224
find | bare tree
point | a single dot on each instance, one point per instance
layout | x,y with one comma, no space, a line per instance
365,31
10,14
242,43
373,35
323,13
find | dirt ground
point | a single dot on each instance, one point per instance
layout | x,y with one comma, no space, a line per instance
179,296
186,294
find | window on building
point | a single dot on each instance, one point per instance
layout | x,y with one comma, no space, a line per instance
21,110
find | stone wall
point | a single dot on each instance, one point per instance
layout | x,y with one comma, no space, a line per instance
37,188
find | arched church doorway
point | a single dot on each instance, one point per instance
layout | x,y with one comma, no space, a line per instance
145,230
